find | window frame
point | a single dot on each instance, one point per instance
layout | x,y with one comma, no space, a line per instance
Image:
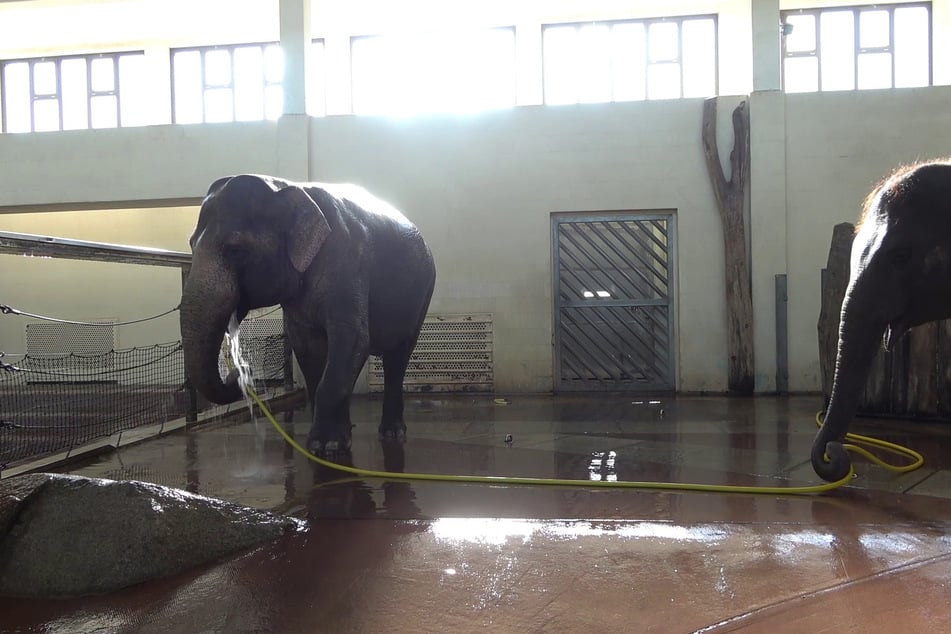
858,49
205,86
678,19
58,60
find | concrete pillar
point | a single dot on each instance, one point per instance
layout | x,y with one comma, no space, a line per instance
293,133
767,45
768,232
295,42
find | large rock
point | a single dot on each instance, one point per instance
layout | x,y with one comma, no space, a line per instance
66,536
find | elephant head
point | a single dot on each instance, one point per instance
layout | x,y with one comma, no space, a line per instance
255,238
900,277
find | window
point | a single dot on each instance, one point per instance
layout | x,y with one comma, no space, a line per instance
317,82
72,92
627,60
844,48
433,72
227,83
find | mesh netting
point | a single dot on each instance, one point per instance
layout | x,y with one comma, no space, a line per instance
51,403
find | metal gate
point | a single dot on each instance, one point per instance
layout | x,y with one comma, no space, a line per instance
613,282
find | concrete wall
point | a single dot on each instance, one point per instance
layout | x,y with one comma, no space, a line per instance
482,189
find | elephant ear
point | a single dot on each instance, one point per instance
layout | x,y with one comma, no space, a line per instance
308,227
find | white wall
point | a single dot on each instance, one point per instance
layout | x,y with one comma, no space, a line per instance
132,164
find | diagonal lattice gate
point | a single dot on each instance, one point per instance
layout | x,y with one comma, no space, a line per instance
613,301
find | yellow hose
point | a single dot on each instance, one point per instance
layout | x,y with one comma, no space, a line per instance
917,458
667,486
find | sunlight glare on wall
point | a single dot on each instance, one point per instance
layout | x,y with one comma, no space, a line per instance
445,71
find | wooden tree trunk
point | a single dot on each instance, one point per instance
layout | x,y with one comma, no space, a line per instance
731,200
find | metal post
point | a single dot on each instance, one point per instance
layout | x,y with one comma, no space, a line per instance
191,396
782,336
288,361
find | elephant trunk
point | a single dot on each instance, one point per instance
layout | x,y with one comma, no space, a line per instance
860,334
208,301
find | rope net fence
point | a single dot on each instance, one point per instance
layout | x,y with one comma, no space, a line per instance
53,402
72,384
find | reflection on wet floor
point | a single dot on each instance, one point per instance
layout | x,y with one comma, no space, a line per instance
391,555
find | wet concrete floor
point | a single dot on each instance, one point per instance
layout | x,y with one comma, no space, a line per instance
396,556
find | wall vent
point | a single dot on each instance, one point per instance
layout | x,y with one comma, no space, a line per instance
453,354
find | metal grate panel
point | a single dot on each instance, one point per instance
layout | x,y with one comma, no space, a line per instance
66,347
614,312
453,354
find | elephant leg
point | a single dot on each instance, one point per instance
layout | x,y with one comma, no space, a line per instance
346,353
394,371
310,349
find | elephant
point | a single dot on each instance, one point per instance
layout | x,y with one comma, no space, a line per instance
354,277
899,278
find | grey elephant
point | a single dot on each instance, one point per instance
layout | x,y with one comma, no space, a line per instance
900,277
353,276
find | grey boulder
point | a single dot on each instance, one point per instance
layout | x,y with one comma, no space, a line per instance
65,535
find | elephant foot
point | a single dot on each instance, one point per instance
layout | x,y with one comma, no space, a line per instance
329,447
393,431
